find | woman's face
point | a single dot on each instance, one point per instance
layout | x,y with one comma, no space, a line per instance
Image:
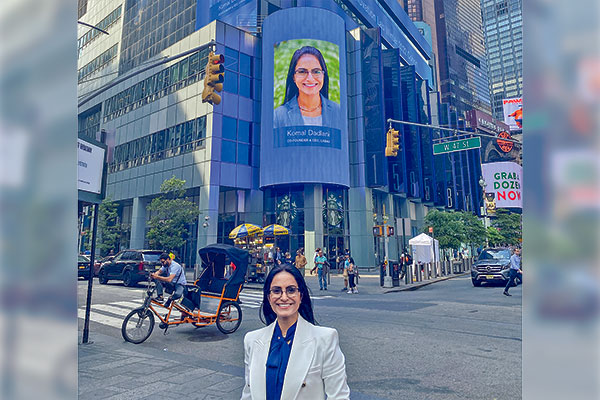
284,306
309,84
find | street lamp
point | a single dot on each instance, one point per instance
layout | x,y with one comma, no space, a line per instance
483,185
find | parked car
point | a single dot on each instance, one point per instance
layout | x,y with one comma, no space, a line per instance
130,266
492,265
83,266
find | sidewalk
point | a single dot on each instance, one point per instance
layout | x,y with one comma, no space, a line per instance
367,284
117,370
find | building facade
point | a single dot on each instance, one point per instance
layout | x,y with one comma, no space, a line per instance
503,30
248,159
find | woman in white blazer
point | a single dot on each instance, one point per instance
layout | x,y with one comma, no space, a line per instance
292,358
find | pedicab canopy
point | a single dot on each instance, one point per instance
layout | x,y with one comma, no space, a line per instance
425,248
215,257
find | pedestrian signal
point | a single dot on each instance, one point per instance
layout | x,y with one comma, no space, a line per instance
392,143
390,231
378,230
213,81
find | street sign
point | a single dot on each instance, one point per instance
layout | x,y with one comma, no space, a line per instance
457,145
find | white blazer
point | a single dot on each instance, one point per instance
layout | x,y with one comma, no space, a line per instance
316,369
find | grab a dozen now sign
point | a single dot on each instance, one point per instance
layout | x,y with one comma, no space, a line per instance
505,180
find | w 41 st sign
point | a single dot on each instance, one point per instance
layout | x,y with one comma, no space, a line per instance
457,145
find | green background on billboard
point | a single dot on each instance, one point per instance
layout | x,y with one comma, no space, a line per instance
283,53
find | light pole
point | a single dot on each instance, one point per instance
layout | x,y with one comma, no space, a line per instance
483,185
387,279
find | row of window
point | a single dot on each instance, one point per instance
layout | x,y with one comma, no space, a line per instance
89,122
93,33
179,75
179,139
97,63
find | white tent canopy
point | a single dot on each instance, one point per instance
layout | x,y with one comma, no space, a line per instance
425,248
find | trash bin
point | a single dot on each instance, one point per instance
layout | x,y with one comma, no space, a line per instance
395,265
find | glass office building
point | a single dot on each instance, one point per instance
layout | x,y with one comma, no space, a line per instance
242,160
503,29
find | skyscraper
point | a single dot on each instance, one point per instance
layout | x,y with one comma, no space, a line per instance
458,44
503,29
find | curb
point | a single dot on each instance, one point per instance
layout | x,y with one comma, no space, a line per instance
422,284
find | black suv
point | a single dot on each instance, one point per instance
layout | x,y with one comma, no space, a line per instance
492,265
130,266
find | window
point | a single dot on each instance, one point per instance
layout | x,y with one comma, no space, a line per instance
231,59
244,131
243,156
245,64
228,151
245,86
229,128
231,82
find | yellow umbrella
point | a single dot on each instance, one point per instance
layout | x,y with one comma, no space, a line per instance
244,230
275,230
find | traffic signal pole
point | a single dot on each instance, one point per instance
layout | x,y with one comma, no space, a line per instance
387,279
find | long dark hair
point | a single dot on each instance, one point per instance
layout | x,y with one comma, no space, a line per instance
291,90
305,304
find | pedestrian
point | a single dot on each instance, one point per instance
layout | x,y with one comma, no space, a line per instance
405,262
320,261
288,258
514,271
352,276
300,261
292,358
345,262
171,277
278,256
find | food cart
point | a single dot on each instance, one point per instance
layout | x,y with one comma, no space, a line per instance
248,237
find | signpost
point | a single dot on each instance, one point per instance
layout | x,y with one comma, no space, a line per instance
91,187
457,145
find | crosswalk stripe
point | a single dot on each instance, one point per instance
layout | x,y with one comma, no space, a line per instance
101,318
111,309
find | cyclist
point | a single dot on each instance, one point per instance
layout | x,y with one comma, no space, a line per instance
171,276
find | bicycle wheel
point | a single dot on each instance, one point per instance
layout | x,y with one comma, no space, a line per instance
137,326
229,317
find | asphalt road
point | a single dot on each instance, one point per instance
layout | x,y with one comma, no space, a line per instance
448,340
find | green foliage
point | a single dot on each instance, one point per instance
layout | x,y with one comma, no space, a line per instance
283,55
475,232
110,229
494,237
171,216
448,228
509,226
452,229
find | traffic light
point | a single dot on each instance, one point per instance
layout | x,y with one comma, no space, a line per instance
392,143
213,81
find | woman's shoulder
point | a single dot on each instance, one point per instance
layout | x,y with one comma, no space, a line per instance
255,334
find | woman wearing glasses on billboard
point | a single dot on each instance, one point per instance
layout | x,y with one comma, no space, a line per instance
292,358
306,100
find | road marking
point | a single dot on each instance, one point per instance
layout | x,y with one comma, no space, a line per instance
111,309
101,319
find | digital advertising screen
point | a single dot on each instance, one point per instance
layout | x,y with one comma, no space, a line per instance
304,126
306,94
513,113
503,184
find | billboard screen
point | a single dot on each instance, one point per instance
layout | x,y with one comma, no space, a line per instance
513,113
306,94
240,13
304,135
503,184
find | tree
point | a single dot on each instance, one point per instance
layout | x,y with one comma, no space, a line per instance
171,216
508,225
110,229
475,232
448,228
494,237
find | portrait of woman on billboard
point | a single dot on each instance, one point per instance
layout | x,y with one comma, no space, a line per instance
308,93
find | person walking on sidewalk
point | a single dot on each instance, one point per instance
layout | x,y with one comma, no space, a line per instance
170,276
300,261
352,274
515,270
344,263
292,357
320,261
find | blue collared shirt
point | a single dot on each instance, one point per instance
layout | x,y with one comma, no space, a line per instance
515,262
277,361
